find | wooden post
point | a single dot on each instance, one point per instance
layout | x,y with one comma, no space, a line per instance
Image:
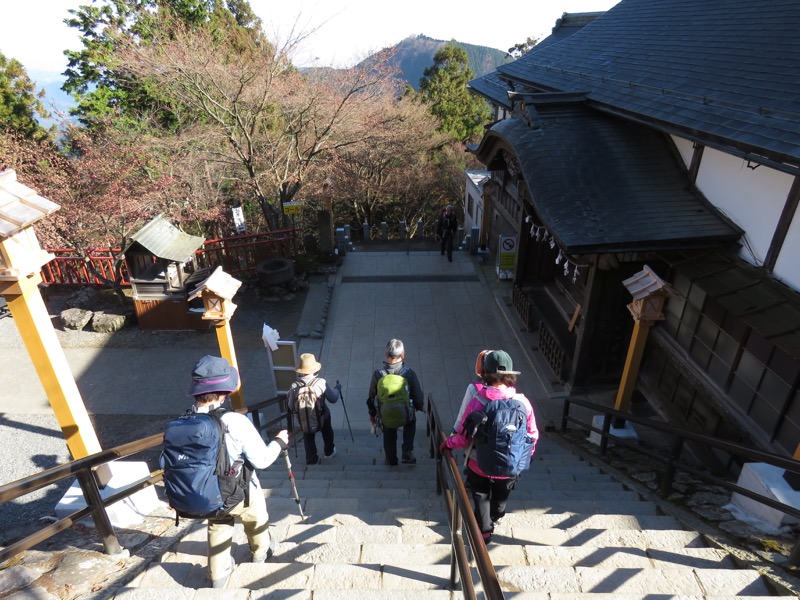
222,327
632,362
33,321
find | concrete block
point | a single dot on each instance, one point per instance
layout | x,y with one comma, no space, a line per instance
626,432
124,513
768,481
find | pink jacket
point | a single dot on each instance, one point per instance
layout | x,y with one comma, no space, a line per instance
479,392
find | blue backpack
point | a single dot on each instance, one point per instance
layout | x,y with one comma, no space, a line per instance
500,437
199,479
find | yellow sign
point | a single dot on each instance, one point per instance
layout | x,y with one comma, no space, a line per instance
292,208
508,252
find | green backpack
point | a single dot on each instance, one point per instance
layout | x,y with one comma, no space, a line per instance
394,399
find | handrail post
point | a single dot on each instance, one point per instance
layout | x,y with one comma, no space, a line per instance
794,555
565,415
605,434
91,493
455,533
669,472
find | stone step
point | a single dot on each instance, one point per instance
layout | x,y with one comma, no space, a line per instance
609,557
599,538
634,581
178,593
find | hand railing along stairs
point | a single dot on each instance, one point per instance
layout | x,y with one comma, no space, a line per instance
84,470
673,463
450,484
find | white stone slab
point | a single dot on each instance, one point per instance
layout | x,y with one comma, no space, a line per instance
768,481
626,432
126,512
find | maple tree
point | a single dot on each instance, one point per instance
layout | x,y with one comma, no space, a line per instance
241,104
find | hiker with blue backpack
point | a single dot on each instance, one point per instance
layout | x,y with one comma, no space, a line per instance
307,398
395,395
498,429
209,458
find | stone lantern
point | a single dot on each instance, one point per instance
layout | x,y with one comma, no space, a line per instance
217,292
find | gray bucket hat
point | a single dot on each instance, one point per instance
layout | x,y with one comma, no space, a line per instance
213,374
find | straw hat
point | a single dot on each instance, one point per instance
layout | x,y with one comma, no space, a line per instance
308,364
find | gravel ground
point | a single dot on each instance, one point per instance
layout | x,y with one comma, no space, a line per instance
34,442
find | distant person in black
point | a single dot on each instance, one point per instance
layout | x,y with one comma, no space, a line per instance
446,230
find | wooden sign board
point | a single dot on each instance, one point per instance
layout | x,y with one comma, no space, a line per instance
282,363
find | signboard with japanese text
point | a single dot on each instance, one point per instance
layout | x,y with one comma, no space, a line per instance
506,256
238,219
292,208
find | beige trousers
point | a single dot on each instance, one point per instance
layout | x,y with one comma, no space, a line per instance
254,519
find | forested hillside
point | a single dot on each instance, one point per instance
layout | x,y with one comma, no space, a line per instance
415,54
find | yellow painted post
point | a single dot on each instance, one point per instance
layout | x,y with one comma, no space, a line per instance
33,321
222,327
641,328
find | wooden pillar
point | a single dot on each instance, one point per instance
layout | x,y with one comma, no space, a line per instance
222,327
33,321
633,361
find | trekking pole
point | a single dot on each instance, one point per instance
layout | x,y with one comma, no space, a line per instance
344,406
285,453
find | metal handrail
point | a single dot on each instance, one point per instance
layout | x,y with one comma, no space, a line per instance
84,470
450,484
672,463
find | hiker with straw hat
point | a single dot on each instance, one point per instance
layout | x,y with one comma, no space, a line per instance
307,402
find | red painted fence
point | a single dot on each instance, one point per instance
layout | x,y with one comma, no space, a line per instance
237,255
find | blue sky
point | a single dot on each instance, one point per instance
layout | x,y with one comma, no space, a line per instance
336,32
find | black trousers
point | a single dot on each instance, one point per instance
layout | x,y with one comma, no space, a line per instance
310,441
390,440
489,497
447,244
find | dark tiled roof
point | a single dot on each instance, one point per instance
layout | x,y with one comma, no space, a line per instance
495,89
603,184
726,72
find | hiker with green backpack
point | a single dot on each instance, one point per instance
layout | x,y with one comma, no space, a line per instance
395,395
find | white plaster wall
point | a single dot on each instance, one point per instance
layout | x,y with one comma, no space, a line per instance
472,189
685,149
753,199
787,268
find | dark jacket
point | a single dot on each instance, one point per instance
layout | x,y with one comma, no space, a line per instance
414,387
448,225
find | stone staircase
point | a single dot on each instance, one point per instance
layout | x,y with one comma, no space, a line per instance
372,531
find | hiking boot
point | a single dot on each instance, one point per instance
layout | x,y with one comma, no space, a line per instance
222,582
390,462
332,454
409,458
487,538
262,558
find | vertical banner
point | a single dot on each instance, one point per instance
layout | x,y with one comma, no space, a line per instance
507,256
238,219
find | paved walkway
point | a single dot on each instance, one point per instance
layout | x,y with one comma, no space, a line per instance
445,314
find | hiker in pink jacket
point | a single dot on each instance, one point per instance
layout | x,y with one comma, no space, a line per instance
493,469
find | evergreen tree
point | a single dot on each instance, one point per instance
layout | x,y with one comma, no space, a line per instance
19,102
104,89
443,88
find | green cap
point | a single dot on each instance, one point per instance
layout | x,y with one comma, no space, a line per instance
498,362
